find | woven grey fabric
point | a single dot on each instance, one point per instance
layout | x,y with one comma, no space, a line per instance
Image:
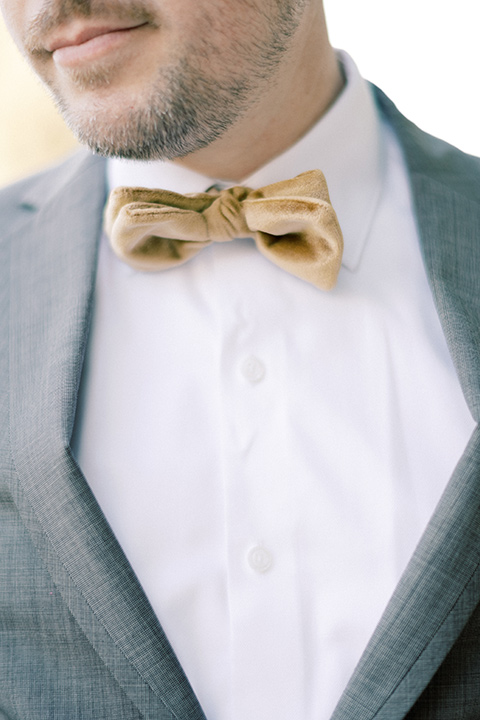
78,639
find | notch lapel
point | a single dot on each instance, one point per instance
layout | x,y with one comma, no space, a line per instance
52,278
441,585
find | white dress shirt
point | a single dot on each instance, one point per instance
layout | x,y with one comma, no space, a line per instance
266,453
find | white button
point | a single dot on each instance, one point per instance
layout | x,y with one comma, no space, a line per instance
259,559
253,369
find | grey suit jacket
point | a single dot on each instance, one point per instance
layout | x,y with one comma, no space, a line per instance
78,638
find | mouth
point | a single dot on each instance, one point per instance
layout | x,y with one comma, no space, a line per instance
77,44
80,36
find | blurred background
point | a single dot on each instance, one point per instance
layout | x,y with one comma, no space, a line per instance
425,54
32,134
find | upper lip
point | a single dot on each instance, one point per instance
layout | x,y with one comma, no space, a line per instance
76,36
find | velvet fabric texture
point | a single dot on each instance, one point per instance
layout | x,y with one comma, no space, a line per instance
292,222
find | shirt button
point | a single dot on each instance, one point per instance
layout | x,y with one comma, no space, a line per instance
253,369
259,559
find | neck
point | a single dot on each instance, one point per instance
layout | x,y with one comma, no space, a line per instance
307,84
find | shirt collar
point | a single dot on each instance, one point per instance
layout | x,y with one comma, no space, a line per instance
346,144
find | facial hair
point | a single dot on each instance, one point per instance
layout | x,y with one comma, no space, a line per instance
188,105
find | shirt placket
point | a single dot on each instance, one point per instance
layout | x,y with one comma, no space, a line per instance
260,516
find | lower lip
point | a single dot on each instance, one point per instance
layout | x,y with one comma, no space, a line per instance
94,49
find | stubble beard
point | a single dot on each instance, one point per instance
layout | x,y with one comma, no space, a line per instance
185,109
182,113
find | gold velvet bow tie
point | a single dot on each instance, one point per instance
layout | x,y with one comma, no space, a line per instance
292,223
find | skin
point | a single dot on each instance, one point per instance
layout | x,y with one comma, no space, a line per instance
220,86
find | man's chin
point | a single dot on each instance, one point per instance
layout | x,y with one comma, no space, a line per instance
107,125
134,135
170,118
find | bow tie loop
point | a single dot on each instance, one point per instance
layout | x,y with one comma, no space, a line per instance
292,222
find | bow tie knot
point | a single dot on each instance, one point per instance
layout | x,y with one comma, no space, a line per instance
292,222
225,217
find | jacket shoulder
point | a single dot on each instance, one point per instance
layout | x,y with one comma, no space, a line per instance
429,156
36,190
